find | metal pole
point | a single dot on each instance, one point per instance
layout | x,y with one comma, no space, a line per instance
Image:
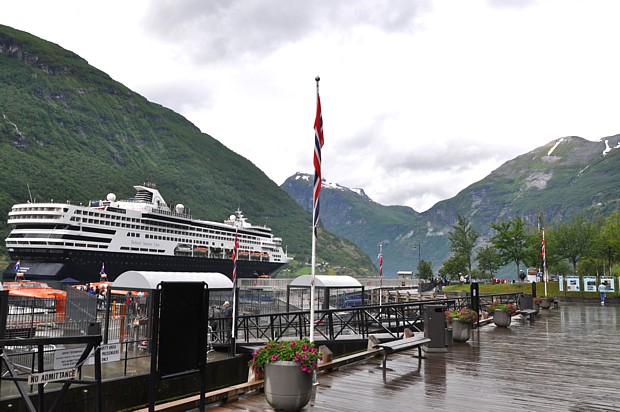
419,254
314,215
380,277
154,343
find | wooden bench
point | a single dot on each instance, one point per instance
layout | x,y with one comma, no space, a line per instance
527,313
400,345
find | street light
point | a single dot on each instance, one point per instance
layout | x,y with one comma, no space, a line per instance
417,246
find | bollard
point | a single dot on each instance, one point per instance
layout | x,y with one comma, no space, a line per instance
475,301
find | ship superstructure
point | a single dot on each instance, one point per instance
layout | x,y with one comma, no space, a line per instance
57,240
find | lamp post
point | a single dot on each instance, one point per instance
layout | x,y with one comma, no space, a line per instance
417,246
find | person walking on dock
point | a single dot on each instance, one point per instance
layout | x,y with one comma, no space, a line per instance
227,313
602,288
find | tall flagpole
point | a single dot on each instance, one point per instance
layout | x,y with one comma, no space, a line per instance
380,273
318,144
233,334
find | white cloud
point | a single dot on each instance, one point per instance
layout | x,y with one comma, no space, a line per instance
420,99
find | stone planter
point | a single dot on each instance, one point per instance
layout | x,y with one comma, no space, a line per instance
546,303
501,318
461,331
287,388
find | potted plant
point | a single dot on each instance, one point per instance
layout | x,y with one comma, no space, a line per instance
502,313
546,301
288,368
461,321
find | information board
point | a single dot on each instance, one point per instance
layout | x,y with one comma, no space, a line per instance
572,284
610,284
589,284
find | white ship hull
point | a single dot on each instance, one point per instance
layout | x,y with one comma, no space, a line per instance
56,240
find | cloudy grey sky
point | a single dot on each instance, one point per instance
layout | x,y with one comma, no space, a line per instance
420,98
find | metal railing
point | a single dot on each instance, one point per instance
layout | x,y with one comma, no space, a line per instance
131,327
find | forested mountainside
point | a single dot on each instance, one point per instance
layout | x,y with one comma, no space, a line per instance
68,131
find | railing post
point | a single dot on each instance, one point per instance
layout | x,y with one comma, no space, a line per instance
475,300
330,322
4,312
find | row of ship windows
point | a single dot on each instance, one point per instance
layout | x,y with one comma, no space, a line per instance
92,246
175,239
88,245
50,243
136,249
229,237
40,209
132,219
221,235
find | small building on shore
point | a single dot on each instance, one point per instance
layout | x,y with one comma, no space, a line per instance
404,274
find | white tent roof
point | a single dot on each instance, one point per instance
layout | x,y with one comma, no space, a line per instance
149,280
322,281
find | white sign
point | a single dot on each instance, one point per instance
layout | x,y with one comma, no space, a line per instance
52,376
610,284
109,353
572,283
66,358
589,284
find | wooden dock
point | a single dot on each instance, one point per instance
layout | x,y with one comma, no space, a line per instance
565,360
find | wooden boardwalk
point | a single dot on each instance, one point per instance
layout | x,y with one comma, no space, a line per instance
566,360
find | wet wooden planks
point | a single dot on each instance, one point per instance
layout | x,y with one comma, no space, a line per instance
563,361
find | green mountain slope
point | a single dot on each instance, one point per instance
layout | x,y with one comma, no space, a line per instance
68,130
567,176
353,215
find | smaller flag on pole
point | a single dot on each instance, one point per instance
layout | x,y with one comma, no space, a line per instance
544,257
234,256
102,268
17,265
380,263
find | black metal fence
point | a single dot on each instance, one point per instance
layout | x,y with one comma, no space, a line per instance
261,316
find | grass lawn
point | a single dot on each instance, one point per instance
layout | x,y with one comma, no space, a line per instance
553,289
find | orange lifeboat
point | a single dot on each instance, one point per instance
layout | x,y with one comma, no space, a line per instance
41,293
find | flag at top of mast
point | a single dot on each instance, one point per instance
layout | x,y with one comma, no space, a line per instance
318,144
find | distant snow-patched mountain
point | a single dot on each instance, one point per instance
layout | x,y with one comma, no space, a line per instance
566,176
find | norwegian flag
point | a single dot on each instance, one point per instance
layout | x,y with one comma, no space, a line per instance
102,269
542,250
318,144
17,265
234,256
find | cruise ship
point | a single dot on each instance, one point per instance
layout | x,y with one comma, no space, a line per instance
60,241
